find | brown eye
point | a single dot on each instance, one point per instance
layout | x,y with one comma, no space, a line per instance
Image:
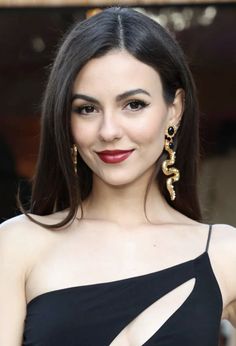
136,105
83,110
88,109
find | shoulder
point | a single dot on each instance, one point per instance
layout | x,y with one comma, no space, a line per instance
224,236
22,239
223,245
14,233
22,223
223,251
12,247
20,228
20,243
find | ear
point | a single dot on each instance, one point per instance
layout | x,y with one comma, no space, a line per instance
176,108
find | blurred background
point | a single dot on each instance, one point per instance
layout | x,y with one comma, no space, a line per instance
206,30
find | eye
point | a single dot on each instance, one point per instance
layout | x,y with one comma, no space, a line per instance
84,110
136,105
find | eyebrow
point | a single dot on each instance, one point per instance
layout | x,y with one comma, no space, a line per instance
119,97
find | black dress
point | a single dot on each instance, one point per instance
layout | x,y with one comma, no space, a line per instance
93,315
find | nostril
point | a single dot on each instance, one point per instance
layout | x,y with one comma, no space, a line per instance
110,132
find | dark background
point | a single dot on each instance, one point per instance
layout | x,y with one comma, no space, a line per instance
28,39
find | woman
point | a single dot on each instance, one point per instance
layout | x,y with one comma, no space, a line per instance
112,251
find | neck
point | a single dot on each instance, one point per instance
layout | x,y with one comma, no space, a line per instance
124,205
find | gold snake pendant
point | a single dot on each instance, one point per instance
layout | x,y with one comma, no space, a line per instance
170,170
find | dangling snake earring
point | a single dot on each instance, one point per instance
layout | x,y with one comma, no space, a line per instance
74,151
169,146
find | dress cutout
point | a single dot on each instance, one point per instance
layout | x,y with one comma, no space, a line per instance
177,306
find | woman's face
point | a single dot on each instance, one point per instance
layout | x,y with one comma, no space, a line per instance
118,105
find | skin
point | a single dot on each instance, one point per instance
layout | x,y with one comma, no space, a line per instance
114,240
122,125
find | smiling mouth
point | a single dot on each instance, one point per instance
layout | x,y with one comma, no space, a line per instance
114,156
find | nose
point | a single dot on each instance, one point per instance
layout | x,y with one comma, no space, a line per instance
110,128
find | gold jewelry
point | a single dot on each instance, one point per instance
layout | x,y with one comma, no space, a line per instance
169,145
74,151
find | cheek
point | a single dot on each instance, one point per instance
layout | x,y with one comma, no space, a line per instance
83,134
150,130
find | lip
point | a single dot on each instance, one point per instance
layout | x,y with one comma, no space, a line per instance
114,152
114,156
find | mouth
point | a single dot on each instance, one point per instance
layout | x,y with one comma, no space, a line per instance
114,156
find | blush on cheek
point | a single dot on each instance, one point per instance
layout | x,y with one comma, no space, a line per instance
152,125
83,135
148,132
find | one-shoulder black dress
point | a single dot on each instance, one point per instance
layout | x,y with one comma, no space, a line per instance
93,315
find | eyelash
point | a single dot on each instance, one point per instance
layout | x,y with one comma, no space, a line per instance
79,109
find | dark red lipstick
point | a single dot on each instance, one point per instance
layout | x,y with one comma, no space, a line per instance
114,156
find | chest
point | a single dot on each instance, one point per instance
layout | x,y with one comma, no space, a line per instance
177,306
95,255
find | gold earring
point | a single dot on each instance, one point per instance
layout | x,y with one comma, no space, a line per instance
74,151
169,145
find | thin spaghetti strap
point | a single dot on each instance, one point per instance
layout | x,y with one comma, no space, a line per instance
208,238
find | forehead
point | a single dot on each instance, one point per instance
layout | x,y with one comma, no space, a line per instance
117,70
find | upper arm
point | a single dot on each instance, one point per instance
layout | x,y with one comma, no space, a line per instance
228,258
12,284
232,265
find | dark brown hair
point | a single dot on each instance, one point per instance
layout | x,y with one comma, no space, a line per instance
55,186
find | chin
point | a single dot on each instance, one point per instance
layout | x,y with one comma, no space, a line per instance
115,179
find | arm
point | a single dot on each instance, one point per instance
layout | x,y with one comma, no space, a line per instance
230,270
232,306
12,283
231,313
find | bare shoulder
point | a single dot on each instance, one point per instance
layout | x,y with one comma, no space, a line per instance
15,233
12,237
223,246
223,250
24,239
224,228
21,242
224,236
18,239
19,231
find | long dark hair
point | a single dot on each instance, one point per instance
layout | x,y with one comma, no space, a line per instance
55,186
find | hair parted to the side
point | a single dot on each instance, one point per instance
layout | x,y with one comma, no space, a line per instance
55,186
